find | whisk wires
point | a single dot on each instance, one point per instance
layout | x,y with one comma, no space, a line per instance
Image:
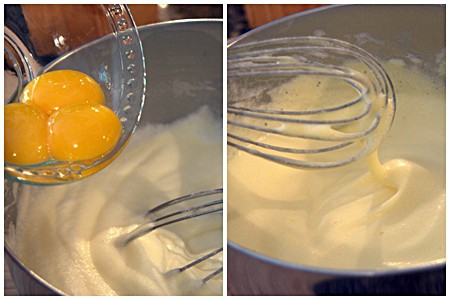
333,120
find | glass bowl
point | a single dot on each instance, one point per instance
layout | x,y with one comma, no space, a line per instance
99,40
185,54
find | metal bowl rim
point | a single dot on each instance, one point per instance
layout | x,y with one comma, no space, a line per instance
29,272
441,263
338,272
9,252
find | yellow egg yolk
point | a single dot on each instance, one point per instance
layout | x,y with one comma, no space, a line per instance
53,90
83,131
25,134
61,117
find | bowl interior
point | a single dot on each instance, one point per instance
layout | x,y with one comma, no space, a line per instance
184,67
386,31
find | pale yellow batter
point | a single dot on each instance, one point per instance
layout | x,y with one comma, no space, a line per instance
68,234
360,216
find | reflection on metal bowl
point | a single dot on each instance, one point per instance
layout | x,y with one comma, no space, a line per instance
184,72
405,32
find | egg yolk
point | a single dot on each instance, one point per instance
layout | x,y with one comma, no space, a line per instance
53,90
82,131
25,134
61,116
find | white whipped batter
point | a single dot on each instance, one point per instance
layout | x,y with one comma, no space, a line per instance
360,216
67,234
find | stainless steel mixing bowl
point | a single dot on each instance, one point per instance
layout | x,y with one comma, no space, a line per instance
184,72
415,30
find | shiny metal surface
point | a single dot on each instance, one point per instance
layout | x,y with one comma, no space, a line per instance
184,72
413,29
311,57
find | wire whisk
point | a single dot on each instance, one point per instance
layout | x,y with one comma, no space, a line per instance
207,203
307,102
